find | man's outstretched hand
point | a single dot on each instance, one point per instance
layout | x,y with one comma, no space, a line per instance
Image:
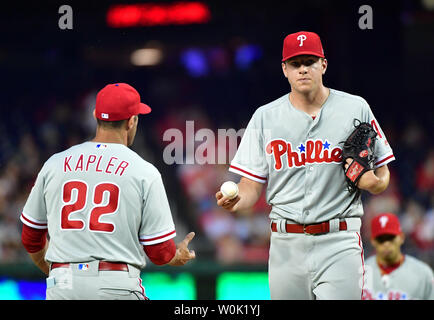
183,254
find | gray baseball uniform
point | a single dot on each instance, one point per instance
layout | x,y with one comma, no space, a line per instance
300,159
413,279
100,202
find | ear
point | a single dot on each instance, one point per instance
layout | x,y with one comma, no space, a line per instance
94,114
401,238
131,122
284,69
324,63
373,243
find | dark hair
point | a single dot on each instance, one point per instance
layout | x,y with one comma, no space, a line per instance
111,124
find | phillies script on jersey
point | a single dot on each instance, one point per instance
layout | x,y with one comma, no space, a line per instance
82,162
313,151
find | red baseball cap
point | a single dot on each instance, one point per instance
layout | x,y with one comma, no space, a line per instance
302,42
119,101
385,223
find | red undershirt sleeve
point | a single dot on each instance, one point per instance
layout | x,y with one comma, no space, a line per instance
161,253
33,239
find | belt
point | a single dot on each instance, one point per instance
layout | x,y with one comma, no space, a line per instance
103,266
318,228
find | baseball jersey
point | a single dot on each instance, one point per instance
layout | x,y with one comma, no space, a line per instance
413,279
99,201
300,158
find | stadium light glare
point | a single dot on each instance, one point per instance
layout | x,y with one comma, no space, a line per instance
146,57
156,14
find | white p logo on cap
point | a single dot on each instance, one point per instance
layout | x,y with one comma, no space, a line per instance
301,38
383,221
104,115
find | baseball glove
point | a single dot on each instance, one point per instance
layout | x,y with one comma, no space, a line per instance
360,147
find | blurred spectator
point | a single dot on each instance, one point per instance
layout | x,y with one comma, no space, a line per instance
425,175
419,224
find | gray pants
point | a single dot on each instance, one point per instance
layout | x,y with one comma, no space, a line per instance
306,267
86,282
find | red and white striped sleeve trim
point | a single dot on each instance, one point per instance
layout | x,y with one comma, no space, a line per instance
33,223
388,157
248,173
157,237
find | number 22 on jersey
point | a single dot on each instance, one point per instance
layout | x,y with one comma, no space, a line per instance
71,206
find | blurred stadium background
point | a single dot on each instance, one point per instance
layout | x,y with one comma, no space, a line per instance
213,62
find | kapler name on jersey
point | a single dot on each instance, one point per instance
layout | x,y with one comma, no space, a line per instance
312,151
84,162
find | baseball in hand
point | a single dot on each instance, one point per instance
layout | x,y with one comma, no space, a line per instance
229,189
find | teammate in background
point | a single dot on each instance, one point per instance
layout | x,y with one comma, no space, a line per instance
293,145
391,275
103,207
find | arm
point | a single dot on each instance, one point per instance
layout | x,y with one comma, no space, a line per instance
249,192
36,244
183,254
39,261
374,181
168,252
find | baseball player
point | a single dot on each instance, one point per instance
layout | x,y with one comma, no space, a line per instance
390,274
103,207
292,144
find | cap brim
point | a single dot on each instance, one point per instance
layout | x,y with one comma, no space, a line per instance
303,53
144,109
386,232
